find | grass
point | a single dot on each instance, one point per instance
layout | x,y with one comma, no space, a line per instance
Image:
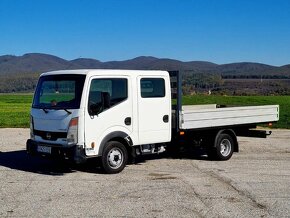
14,108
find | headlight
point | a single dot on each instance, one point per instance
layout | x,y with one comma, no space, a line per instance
72,133
31,128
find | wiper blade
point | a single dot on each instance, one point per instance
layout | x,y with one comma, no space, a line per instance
66,110
45,110
57,108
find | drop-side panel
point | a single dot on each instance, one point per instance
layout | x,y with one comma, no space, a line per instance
203,118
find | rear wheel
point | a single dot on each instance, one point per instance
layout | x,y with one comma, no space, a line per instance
114,158
223,149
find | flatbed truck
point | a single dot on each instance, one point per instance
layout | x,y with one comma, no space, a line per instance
112,115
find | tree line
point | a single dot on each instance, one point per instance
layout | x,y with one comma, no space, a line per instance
192,83
19,82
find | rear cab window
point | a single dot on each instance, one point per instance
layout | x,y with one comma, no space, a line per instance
152,87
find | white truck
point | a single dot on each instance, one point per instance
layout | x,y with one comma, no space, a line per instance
113,115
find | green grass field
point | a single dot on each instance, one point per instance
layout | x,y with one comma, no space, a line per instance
14,108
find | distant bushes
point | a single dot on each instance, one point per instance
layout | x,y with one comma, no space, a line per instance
232,76
238,85
25,82
193,83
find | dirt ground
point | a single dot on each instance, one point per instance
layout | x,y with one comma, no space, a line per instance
254,183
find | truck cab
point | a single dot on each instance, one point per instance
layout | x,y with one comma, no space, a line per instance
79,114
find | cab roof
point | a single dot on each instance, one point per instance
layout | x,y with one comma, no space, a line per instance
113,72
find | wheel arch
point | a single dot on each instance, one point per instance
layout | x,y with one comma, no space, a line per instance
232,134
118,136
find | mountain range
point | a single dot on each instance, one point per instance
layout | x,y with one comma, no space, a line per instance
38,63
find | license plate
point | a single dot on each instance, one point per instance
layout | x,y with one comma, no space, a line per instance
44,149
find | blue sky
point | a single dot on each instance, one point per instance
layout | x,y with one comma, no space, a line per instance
220,31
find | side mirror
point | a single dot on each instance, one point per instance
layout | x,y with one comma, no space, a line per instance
95,109
97,102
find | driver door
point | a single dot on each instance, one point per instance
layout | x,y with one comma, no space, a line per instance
109,99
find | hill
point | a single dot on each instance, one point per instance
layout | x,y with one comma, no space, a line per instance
35,62
20,73
31,63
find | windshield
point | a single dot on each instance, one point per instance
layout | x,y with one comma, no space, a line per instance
59,92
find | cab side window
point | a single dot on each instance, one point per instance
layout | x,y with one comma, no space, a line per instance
106,93
152,87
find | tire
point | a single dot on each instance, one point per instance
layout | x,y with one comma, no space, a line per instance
114,158
223,148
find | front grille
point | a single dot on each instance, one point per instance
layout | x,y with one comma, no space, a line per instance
52,136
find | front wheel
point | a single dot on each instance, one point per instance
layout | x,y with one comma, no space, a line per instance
114,158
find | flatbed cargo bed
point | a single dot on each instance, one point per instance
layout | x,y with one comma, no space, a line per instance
208,116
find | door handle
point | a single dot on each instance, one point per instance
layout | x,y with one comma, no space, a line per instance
127,121
165,118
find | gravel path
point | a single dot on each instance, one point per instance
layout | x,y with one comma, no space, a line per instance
254,183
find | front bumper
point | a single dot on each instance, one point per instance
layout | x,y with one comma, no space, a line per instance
74,153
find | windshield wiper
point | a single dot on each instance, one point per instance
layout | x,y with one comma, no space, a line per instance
58,108
45,110
66,110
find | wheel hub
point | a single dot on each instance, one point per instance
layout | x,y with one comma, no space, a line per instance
225,147
115,158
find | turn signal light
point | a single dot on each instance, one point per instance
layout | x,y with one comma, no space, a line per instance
74,122
72,133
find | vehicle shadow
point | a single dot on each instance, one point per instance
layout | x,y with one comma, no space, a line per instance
20,160
191,153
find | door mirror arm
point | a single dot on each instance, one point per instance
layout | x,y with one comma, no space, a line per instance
96,108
